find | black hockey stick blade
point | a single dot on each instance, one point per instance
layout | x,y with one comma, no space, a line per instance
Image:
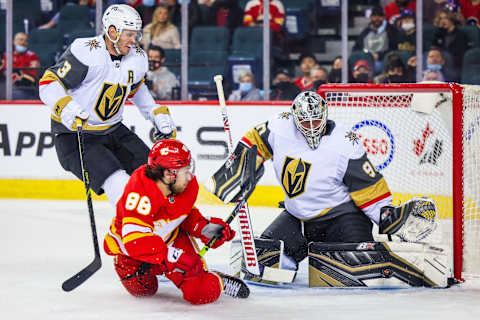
70,284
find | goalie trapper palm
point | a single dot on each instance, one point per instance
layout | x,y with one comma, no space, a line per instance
411,222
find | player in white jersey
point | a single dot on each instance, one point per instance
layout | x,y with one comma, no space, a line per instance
332,190
91,81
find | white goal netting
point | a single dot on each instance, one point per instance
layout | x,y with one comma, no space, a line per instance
425,139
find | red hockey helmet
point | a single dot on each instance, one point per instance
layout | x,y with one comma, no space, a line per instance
169,154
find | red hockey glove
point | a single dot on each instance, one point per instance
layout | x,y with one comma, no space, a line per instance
188,264
217,227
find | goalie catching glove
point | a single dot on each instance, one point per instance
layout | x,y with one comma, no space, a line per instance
411,222
233,177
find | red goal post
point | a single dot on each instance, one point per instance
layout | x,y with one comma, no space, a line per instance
425,139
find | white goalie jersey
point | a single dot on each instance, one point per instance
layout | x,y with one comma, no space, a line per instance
334,179
100,83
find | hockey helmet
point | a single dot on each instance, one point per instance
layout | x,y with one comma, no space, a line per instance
310,112
122,17
169,154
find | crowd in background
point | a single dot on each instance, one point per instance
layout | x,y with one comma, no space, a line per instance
383,52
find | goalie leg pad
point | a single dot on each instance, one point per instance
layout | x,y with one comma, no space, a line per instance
275,266
377,264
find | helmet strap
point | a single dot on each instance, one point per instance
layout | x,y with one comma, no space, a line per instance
115,42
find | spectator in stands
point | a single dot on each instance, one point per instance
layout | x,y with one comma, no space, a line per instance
335,75
405,37
470,10
160,80
375,38
393,9
161,32
24,80
436,62
449,38
225,13
54,21
246,89
431,7
395,70
319,76
362,72
253,15
283,87
307,61
430,75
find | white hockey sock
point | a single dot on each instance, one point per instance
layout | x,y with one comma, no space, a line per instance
114,185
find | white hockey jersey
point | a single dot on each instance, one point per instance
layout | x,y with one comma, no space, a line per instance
336,178
98,83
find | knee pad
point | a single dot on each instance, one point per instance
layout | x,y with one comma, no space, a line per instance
141,285
202,289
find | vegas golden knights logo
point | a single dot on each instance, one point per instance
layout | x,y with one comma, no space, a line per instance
110,100
294,176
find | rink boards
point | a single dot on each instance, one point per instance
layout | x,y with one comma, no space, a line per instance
29,167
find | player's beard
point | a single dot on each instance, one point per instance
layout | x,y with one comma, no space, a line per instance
176,188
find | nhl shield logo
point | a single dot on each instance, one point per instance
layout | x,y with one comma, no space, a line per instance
294,176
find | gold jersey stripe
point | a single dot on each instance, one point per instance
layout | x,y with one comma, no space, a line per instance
112,244
362,196
59,105
85,126
254,138
160,110
135,236
49,75
134,220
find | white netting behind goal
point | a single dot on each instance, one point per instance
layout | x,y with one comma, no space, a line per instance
407,133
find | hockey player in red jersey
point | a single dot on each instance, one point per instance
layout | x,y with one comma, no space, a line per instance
156,221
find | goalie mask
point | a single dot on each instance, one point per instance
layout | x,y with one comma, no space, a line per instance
310,113
122,17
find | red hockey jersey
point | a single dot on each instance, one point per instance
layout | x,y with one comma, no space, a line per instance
147,221
254,12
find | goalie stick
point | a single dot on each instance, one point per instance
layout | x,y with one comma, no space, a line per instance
244,221
247,191
88,271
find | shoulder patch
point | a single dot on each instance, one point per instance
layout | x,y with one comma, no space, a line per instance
284,115
353,137
139,51
92,44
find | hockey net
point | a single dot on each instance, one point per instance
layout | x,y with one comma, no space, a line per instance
425,139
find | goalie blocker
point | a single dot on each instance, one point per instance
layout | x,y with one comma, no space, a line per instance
229,181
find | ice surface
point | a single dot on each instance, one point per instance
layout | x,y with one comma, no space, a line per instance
46,242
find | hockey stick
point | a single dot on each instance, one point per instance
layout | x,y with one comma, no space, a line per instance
247,191
88,271
244,221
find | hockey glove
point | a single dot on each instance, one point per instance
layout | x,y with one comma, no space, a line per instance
177,260
216,228
72,111
164,123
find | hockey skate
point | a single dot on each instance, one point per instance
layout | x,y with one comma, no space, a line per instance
234,286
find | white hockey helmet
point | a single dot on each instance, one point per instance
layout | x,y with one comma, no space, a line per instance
310,113
122,17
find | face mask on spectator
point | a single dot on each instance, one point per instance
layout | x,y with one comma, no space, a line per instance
20,49
362,77
245,86
434,67
407,26
148,3
154,64
395,78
